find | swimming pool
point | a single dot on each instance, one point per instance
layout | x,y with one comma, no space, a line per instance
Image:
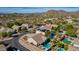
51,36
60,49
47,46
67,40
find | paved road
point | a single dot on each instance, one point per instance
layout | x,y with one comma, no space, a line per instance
15,43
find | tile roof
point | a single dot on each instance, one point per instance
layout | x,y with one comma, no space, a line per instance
47,26
39,38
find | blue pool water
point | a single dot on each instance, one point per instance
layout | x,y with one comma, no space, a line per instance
67,40
51,36
47,46
60,49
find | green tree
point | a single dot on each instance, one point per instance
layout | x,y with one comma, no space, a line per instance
9,34
19,21
47,33
70,29
10,24
3,34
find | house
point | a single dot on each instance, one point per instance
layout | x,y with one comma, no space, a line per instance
46,27
2,47
76,41
37,31
36,39
51,19
62,32
16,28
5,29
69,17
69,20
78,35
54,25
24,26
2,29
77,31
27,45
32,30
9,30
77,19
73,48
76,25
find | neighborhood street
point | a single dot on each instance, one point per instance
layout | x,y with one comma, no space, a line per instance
15,43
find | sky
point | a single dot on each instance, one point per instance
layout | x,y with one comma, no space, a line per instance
35,9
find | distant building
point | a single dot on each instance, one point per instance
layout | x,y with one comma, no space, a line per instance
24,26
16,27
51,19
40,32
69,20
2,29
9,30
69,17
73,48
77,19
5,29
54,25
76,25
62,32
78,35
46,27
77,31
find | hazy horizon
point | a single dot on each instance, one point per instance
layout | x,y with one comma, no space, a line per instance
35,9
